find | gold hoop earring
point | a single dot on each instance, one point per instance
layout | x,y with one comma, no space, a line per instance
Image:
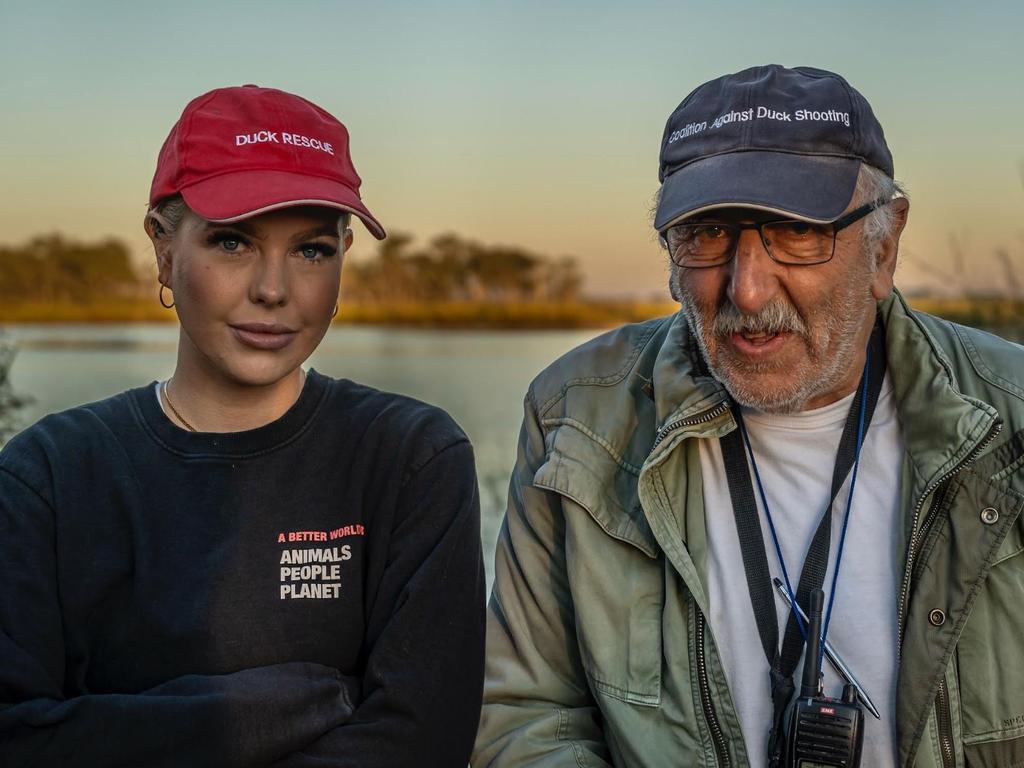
163,303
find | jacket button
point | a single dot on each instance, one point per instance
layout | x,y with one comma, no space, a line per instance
989,515
937,617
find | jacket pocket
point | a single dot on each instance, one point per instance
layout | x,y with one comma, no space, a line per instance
615,571
618,594
995,754
991,668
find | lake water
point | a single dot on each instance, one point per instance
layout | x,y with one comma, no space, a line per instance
478,377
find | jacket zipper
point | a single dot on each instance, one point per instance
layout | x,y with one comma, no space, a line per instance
938,501
919,533
945,725
693,421
704,686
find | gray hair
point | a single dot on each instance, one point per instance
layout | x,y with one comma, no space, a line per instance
874,185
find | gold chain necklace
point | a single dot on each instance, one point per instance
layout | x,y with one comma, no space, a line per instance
189,427
167,399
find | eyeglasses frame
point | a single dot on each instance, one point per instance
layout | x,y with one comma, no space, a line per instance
837,226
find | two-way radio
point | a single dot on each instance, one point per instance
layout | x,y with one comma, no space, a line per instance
822,732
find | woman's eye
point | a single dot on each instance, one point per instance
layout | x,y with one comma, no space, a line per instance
316,251
227,241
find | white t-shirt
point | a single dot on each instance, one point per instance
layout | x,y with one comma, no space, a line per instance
795,456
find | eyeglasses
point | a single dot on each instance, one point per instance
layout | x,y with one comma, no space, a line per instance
707,243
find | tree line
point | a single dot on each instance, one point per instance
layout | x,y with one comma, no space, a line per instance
450,268
54,268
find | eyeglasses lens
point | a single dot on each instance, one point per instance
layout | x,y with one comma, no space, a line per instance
709,244
797,242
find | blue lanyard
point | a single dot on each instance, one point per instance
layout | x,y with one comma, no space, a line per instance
846,517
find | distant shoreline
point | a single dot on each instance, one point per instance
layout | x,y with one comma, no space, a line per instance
482,315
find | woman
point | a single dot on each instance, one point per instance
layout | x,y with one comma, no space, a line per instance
246,564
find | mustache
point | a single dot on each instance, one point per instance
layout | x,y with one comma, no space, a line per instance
774,317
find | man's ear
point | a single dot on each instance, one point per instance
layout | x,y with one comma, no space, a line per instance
882,282
158,231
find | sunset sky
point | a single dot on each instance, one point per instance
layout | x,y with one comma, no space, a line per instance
527,123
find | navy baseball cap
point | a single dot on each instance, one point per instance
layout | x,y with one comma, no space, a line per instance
789,141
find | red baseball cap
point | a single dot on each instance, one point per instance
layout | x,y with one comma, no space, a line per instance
238,152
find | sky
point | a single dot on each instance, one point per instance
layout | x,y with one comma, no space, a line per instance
535,124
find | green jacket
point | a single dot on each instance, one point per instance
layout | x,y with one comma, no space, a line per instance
598,649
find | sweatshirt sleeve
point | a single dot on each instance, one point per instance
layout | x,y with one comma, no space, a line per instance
423,676
248,718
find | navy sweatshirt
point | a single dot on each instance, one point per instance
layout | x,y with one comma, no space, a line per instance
308,593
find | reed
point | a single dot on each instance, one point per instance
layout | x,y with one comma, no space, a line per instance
445,314
125,310
510,315
996,312
11,402
986,312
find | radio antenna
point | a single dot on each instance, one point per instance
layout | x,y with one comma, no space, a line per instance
812,659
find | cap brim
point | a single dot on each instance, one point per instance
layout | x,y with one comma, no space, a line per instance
235,196
812,187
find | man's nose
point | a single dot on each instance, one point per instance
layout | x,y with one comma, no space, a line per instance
270,281
753,275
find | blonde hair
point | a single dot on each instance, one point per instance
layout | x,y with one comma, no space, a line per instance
172,212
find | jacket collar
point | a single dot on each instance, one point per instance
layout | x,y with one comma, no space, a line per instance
682,387
941,426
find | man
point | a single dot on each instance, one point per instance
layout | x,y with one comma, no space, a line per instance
628,626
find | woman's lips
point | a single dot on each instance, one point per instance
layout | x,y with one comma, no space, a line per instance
263,335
